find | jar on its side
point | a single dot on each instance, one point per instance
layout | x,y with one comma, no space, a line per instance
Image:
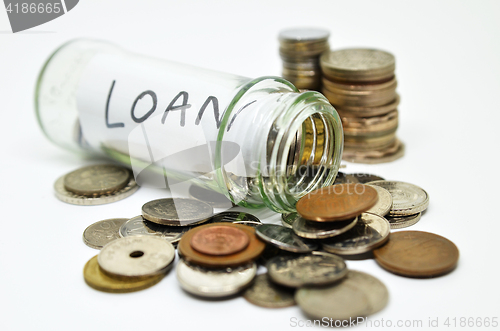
260,141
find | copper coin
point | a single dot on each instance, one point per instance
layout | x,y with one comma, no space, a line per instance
417,254
220,240
337,203
251,252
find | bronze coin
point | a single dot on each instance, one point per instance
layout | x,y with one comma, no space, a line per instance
337,203
220,240
417,254
251,252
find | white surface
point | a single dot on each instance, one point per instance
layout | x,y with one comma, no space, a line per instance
448,70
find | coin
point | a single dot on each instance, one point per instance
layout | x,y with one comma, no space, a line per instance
321,230
399,222
392,153
137,226
384,203
315,269
177,212
368,111
100,281
417,254
264,293
370,231
213,198
97,180
100,233
343,178
365,178
214,283
303,34
251,252
407,199
346,87
337,202
136,256
371,126
75,199
376,292
236,217
361,143
284,238
219,240
288,219
337,302
360,99
358,65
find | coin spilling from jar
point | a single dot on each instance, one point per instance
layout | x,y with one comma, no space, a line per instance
219,253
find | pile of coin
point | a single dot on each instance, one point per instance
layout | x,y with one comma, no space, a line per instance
95,185
304,257
361,84
300,49
129,264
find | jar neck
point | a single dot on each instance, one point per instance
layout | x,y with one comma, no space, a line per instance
291,144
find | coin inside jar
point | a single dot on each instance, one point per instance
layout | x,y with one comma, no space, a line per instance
219,240
337,202
97,179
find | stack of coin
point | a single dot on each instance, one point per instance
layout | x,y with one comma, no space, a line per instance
300,49
129,264
218,259
361,84
95,185
409,201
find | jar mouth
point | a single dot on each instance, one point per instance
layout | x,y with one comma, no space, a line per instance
306,154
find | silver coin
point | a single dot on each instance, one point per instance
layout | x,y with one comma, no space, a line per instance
237,218
358,294
284,238
100,233
75,199
97,179
370,231
365,178
375,290
407,199
214,283
399,222
384,203
303,34
321,230
136,256
317,268
138,226
265,293
213,198
343,178
288,219
177,212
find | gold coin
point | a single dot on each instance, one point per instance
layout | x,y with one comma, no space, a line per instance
358,65
360,98
97,179
97,279
368,111
389,154
367,143
370,126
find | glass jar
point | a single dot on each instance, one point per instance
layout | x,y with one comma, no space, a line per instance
260,142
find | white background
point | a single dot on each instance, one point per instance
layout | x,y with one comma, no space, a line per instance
448,69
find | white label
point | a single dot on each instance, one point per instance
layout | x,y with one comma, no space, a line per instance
153,110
